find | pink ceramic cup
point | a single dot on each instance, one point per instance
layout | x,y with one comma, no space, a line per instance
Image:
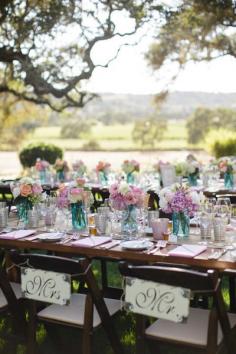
159,227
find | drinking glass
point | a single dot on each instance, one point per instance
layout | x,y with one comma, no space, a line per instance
205,227
3,217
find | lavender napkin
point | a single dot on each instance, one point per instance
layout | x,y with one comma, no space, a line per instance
14,235
92,241
187,250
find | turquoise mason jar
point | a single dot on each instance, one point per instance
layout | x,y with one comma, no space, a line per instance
103,178
229,180
192,180
180,224
130,178
79,221
129,226
23,206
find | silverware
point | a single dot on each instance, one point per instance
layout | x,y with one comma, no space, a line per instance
217,254
109,246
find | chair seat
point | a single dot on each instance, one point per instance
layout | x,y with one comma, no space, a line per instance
17,290
73,314
193,331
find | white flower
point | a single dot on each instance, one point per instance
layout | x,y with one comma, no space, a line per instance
27,180
123,188
195,197
16,191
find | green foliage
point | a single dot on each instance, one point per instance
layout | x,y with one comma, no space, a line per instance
75,128
35,68
91,145
149,132
203,120
48,152
221,143
194,30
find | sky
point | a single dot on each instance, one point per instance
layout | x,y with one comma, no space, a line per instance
129,73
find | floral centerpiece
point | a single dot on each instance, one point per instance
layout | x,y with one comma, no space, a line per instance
27,193
61,167
130,167
79,168
182,202
226,167
103,169
189,169
127,198
42,166
78,198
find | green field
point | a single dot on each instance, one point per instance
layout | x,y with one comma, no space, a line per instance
114,137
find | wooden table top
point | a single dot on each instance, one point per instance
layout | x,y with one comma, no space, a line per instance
118,253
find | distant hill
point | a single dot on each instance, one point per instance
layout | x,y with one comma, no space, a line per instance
179,105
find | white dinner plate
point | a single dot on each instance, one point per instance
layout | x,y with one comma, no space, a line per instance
137,245
50,237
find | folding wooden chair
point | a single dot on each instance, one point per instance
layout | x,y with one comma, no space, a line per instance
203,331
39,284
11,308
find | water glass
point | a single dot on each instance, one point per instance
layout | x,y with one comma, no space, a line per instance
205,226
219,227
3,217
33,219
101,223
3,205
159,227
105,210
152,215
49,216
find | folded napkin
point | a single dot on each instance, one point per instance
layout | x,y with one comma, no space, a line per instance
14,235
92,241
187,250
230,228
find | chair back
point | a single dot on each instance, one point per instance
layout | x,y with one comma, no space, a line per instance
206,283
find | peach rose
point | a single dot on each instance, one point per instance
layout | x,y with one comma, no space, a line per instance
25,190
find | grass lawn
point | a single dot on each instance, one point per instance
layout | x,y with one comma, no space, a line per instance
114,137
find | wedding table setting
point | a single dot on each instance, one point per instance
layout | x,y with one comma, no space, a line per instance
69,215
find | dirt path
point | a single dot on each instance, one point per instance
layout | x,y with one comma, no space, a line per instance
10,164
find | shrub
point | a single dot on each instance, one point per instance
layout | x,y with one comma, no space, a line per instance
91,145
221,143
48,152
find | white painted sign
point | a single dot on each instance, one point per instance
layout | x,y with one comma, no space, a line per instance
46,286
157,300
168,175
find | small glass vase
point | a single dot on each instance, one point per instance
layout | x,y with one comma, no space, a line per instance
103,178
79,221
180,224
129,226
192,180
61,176
228,180
23,206
130,178
42,176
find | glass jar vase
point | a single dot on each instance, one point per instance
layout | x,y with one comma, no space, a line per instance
79,221
180,224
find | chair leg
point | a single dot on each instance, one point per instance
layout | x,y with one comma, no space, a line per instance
31,337
232,294
88,326
140,329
